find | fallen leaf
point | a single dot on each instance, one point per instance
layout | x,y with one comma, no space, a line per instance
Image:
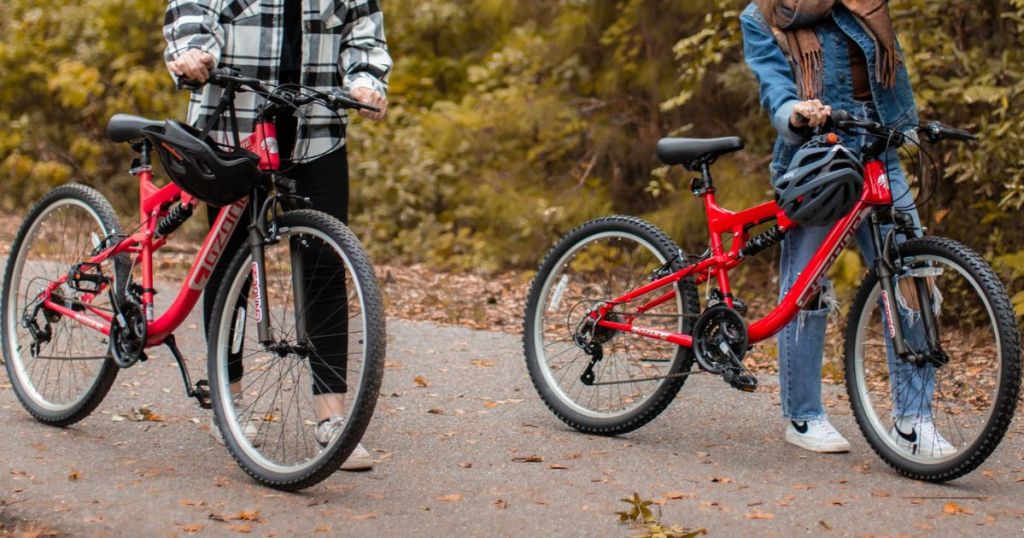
675,495
93,519
721,479
217,517
803,487
757,514
484,363
243,528
500,504
323,528
953,508
435,411
824,524
490,404
529,459
362,517
74,475
879,493
194,527
557,466
836,502
466,465
453,498
191,502
421,382
247,515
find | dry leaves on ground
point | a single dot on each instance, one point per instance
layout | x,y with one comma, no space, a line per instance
453,498
758,514
533,458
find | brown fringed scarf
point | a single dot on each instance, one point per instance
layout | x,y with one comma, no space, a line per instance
792,22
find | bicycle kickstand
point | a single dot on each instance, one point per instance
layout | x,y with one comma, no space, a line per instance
201,390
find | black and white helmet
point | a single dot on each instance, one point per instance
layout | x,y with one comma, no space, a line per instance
822,185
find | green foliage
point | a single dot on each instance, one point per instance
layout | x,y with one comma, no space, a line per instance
67,68
514,121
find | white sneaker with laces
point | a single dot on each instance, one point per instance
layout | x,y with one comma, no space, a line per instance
327,430
816,436
922,438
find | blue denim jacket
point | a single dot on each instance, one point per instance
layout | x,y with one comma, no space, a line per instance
779,94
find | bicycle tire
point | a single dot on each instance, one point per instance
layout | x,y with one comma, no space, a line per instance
680,363
99,209
994,298
331,458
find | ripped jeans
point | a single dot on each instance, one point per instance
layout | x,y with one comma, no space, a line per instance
802,341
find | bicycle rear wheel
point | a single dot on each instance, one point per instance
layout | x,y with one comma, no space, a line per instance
324,361
941,419
64,372
637,377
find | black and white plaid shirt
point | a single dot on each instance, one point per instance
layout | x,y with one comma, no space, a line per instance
343,46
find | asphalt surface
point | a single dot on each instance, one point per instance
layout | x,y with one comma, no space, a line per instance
451,471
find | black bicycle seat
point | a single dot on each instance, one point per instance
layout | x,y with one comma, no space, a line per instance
127,128
686,151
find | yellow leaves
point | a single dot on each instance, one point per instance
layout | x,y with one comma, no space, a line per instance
453,498
75,83
192,528
74,475
758,514
953,509
421,382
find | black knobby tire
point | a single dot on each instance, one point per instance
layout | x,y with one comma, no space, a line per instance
372,371
101,210
681,359
1000,314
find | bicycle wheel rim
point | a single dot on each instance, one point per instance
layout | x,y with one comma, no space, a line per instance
556,297
315,455
943,413
68,332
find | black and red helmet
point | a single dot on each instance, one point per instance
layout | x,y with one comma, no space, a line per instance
822,185
203,168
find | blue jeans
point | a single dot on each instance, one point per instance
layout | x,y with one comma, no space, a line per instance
802,341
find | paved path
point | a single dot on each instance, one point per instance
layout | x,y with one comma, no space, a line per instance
453,474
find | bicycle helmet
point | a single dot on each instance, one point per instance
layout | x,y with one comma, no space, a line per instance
203,168
822,185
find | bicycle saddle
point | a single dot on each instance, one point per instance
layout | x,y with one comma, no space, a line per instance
687,151
126,127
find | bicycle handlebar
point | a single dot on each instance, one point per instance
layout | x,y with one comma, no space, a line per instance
223,76
933,131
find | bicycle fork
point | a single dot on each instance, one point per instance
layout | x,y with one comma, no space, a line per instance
887,271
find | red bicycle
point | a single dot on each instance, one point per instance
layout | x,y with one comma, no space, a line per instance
613,321
283,356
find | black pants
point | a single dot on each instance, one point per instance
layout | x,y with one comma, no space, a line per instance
325,182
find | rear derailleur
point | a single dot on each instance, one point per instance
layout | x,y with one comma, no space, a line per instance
591,337
719,344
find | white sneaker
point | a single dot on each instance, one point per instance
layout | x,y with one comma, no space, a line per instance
922,437
252,433
816,436
327,430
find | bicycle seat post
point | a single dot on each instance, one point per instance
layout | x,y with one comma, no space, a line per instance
704,184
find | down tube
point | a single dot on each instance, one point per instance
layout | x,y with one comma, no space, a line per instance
807,283
202,268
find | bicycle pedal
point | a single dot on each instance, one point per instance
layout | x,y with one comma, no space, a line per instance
202,394
740,381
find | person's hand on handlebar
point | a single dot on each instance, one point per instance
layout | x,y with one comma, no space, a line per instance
193,64
810,114
370,97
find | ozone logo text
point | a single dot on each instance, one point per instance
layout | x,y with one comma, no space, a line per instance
214,247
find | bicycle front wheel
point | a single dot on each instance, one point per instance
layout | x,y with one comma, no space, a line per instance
939,418
323,359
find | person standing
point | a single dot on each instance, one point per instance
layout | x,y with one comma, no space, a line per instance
810,57
323,44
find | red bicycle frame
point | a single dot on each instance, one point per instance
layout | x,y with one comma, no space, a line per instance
722,221
154,204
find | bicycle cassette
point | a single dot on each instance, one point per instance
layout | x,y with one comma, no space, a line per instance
128,334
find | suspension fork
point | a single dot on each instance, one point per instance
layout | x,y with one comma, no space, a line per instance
886,272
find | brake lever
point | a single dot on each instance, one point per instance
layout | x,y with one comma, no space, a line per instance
345,100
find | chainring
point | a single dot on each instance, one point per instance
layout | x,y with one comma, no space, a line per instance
128,339
717,325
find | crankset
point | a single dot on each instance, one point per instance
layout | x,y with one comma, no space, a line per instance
128,332
719,344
